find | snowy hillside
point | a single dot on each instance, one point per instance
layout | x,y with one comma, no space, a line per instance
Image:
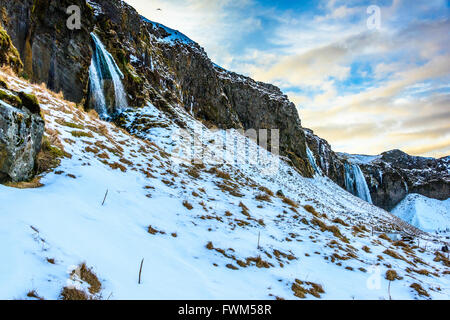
208,230
424,213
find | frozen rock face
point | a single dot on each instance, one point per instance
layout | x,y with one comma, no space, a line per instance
20,140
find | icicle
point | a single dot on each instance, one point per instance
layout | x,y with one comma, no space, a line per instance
312,161
355,182
103,68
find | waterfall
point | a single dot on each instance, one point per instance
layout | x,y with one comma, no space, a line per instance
104,78
312,161
355,182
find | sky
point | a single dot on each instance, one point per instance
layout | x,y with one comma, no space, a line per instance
368,76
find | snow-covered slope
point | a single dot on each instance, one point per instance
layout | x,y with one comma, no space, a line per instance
197,226
424,213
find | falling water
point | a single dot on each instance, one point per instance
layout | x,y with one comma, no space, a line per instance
102,72
355,182
312,160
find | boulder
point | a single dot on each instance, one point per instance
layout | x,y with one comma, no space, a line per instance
8,53
20,140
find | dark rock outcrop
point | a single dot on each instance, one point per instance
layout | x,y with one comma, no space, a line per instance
21,125
8,53
390,176
156,67
20,141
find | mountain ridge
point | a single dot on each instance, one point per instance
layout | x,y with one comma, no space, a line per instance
173,71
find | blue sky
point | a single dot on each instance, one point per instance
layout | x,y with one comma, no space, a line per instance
365,90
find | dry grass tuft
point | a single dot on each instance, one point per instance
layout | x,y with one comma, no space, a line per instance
81,134
311,210
290,202
366,249
439,257
33,294
420,291
193,172
266,190
340,221
88,276
154,231
244,208
73,294
263,197
392,275
220,174
187,205
384,237
300,292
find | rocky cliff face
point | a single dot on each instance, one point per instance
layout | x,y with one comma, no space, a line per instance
164,67
160,65
390,176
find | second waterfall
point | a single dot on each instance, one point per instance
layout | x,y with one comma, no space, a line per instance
107,94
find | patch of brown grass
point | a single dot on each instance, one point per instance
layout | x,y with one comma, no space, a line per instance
193,172
32,184
220,174
366,249
266,190
392,275
187,205
420,291
73,294
439,257
33,294
81,134
263,197
154,231
395,255
290,202
88,276
299,291
244,208
333,229
384,237
340,221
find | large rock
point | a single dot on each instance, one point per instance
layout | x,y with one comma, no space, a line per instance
20,140
8,53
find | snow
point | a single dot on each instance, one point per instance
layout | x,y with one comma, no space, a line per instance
427,214
174,35
66,221
359,158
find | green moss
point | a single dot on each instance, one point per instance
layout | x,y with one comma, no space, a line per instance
8,53
3,83
80,134
30,102
10,99
71,125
